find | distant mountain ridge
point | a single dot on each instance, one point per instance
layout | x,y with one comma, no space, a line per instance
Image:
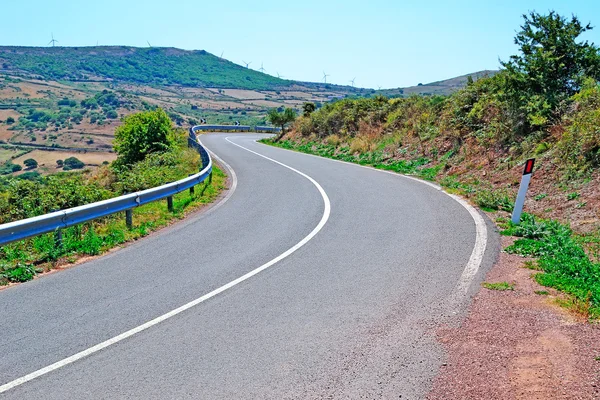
444,87
154,65
172,66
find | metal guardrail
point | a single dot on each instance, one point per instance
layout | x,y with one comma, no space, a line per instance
226,128
18,230
269,129
240,128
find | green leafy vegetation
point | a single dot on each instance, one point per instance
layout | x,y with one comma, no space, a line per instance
30,163
281,119
64,113
70,163
500,286
142,134
565,264
8,168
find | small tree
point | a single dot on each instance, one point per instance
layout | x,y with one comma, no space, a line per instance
59,163
72,163
281,119
141,134
308,108
10,120
30,163
552,64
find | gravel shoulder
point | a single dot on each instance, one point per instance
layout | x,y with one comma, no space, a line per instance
519,344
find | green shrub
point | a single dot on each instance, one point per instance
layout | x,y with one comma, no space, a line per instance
142,134
30,163
564,261
72,163
579,146
20,273
494,199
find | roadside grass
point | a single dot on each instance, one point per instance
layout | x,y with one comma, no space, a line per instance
564,263
21,261
501,286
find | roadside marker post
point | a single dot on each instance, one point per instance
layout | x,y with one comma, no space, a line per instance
525,179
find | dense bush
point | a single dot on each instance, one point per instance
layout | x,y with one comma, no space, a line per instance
21,198
141,134
72,163
579,146
8,168
30,163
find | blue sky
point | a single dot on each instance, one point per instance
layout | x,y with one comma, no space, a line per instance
381,43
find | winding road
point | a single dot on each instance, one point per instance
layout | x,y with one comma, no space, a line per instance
312,278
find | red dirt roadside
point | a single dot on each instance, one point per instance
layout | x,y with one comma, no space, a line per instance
519,344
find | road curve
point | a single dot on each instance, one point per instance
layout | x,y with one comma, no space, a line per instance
315,279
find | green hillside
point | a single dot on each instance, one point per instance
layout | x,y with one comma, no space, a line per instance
150,66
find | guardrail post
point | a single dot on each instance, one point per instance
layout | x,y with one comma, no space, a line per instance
191,187
170,203
58,239
129,218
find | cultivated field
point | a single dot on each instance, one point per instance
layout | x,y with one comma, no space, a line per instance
47,159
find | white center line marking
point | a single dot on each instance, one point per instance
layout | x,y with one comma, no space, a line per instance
164,317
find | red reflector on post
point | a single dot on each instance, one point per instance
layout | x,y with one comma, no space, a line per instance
529,166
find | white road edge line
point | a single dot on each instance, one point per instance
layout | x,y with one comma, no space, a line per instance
481,234
234,179
179,310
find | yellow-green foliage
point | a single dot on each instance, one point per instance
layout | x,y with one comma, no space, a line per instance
359,145
415,116
579,146
333,140
344,117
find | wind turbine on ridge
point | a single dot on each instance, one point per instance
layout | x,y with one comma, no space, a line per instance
325,77
247,63
53,41
261,69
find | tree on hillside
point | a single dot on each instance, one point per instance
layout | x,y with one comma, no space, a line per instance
30,163
552,64
10,120
72,163
281,119
141,134
308,108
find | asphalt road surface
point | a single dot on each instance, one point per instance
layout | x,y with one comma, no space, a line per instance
313,279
